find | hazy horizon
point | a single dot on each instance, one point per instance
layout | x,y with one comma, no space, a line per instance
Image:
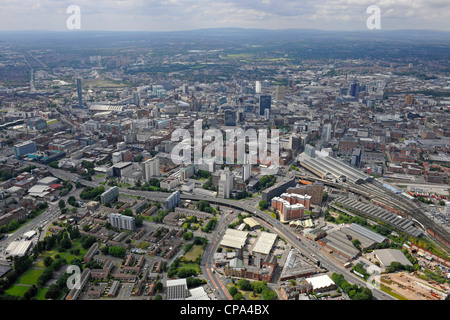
180,15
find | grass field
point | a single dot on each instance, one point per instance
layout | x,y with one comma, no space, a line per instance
41,294
18,291
193,253
30,276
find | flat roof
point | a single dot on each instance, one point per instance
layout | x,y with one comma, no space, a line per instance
234,238
18,248
322,281
265,242
386,256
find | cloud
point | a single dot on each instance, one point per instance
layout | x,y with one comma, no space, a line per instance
128,15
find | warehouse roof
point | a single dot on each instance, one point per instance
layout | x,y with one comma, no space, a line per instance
367,233
234,238
265,243
386,256
18,248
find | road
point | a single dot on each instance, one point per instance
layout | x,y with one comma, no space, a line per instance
43,220
308,248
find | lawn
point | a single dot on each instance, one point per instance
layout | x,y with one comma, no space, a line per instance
30,276
18,291
192,254
41,294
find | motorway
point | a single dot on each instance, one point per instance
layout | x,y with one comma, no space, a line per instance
308,248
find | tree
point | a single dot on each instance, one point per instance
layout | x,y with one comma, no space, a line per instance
263,205
48,261
269,294
61,204
244,284
53,292
259,286
238,296
232,290
30,293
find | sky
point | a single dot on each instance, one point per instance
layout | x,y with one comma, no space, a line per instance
173,15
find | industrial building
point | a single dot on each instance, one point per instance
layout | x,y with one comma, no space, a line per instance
376,213
340,245
234,239
265,243
177,289
387,256
332,169
366,237
18,248
295,267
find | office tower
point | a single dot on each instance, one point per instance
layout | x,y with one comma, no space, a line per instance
356,157
280,92
354,89
265,101
185,88
151,168
230,117
136,98
409,99
258,87
246,168
24,148
326,132
225,183
120,221
80,94
310,151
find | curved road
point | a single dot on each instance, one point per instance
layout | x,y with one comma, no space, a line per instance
284,231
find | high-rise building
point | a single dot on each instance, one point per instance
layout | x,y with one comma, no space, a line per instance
265,102
354,89
230,117
326,132
136,98
409,99
24,148
356,157
225,183
110,195
172,200
151,168
447,209
280,92
120,221
310,150
80,94
257,87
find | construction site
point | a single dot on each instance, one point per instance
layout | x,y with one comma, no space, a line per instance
410,287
